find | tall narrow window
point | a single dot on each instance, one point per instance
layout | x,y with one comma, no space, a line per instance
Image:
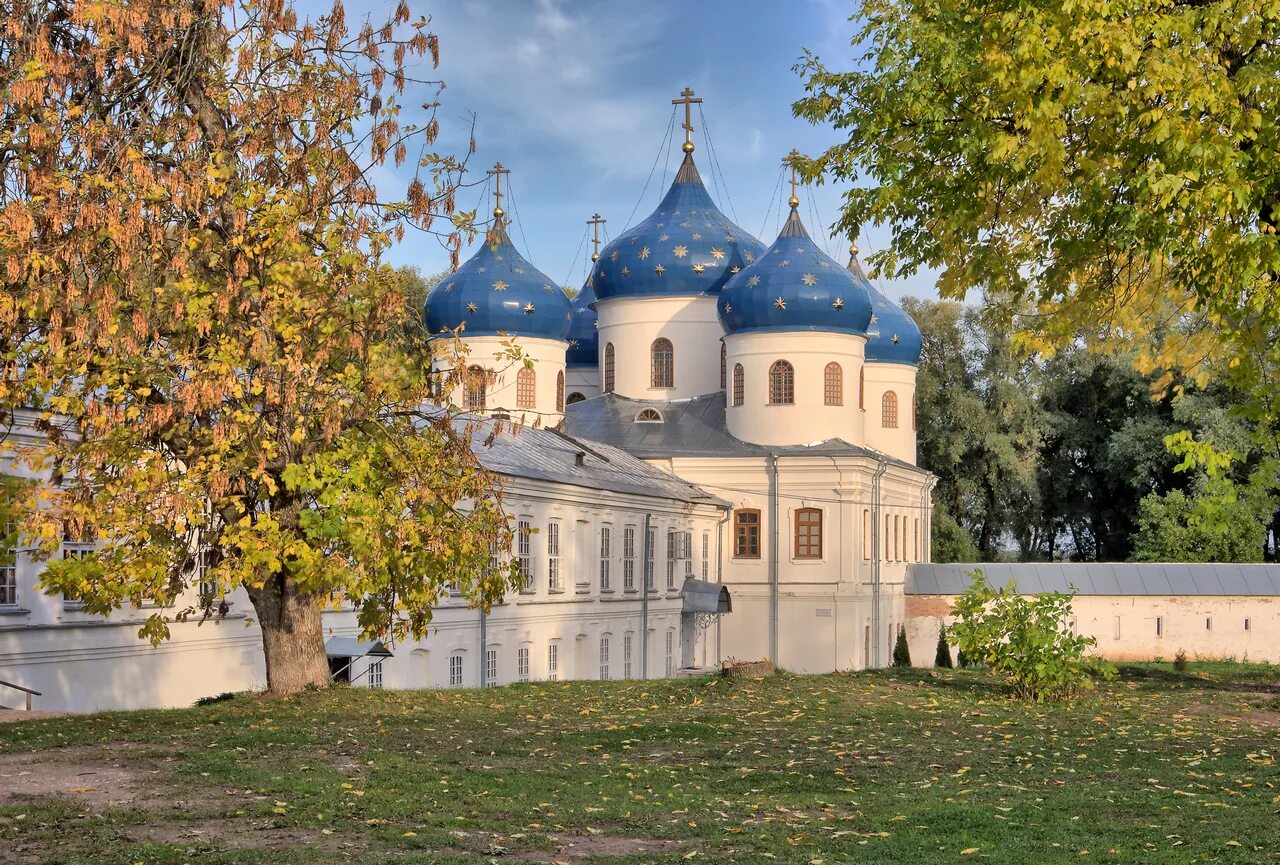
706,554
889,410
915,539
866,533
455,670
808,535
608,367
375,675
522,664
746,533
833,385
672,554
1159,626
671,652
606,538
9,569
649,553
524,561
626,655
662,363
490,667
782,383
553,557
526,388
629,559
604,658
560,391
862,387
553,662
739,386
897,545
724,363
474,388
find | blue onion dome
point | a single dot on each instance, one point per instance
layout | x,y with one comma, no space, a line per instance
685,248
893,336
498,292
795,286
584,340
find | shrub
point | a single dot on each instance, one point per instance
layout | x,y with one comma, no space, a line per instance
1025,639
1180,661
942,657
901,651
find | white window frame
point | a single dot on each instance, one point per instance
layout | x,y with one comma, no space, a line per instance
673,543
524,554
606,552
490,666
522,663
706,555
604,657
652,542
626,655
554,583
629,558
553,661
375,675
671,660
457,668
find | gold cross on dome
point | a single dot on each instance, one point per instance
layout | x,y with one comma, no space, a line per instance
496,173
791,161
595,222
688,100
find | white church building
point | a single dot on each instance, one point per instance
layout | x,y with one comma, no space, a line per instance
711,456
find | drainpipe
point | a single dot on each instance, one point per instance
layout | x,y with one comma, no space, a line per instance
876,660
644,599
927,540
773,560
720,574
484,644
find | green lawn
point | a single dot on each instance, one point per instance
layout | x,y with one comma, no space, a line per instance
874,767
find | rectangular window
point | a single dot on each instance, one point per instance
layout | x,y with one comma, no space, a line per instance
553,662
672,553
1208,624
604,658
866,533
1159,626
375,674
522,663
629,559
1117,627
626,656
455,670
706,555
1246,625
671,653
688,554
553,557
9,566
915,534
606,538
746,534
490,667
650,552
808,539
524,560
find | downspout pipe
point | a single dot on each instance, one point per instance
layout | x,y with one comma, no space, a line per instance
720,573
877,659
773,560
484,644
644,599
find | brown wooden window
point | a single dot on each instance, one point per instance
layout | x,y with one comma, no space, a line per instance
746,533
833,384
526,388
560,391
862,388
782,383
662,363
738,384
474,387
889,410
608,368
724,364
808,533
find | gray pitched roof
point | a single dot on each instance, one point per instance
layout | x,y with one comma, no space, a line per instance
1101,578
690,427
549,455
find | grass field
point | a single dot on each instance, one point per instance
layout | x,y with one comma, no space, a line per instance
1157,767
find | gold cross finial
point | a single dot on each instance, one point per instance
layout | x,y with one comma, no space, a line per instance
595,222
496,173
688,100
791,160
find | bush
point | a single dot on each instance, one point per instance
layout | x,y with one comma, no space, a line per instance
901,651
1025,639
1180,661
942,657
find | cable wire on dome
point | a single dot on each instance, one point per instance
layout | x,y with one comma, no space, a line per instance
777,187
721,186
515,216
818,224
568,280
671,122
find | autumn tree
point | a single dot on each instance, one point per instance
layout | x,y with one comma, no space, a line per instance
193,299
1112,164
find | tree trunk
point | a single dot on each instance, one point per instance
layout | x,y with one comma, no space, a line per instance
292,638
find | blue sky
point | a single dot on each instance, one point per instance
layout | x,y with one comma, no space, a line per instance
575,98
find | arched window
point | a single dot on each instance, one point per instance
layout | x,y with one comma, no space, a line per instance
724,364
862,387
833,384
608,367
574,397
560,391
474,387
808,535
526,388
782,383
662,363
649,415
738,385
889,410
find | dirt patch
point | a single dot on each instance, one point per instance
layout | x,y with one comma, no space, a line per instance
575,848
77,773
12,716
242,834
1263,718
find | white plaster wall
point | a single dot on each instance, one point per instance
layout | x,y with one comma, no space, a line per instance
901,379
1203,626
548,357
582,379
631,324
808,419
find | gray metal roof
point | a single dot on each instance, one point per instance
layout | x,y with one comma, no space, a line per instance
354,647
549,455
1101,578
689,427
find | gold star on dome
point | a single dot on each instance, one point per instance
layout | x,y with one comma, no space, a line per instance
471,307
528,308
729,238
697,237
519,270
663,237
547,288
686,224
615,255
874,318
799,250
644,253
783,263
735,270
753,281
698,268
480,269
838,303
717,253
780,303
659,269
750,257
626,271
809,279
499,285
573,343
895,339
728,308
681,250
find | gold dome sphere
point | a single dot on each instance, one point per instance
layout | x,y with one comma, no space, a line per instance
687,147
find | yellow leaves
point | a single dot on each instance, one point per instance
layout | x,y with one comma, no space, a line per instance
969,851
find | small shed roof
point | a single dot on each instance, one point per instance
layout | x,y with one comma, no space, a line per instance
1101,578
699,596
354,647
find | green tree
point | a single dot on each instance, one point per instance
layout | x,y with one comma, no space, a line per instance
901,651
942,654
193,296
1219,523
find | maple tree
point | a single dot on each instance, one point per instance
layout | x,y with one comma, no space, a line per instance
194,304
1112,164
